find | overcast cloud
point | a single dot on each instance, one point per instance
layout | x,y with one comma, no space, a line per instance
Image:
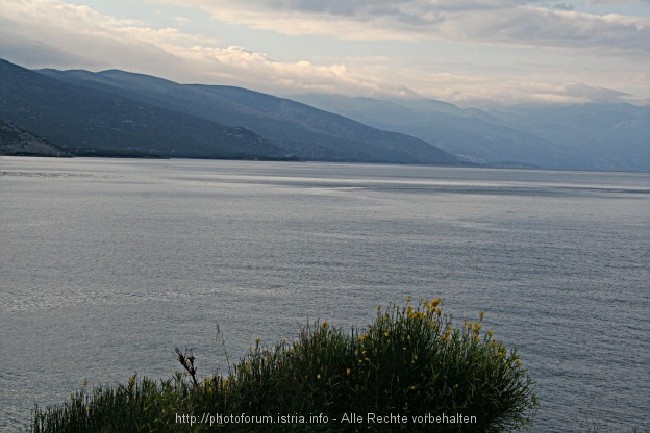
467,51
486,21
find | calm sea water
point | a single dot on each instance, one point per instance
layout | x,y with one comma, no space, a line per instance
107,265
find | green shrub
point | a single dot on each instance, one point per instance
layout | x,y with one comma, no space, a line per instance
411,361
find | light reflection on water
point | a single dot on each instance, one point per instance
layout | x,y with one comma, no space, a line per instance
108,265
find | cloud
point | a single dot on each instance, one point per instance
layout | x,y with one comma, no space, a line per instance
49,33
563,6
560,28
549,92
484,21
53,33
618,2
254,68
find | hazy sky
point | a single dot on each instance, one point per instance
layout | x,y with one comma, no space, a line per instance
463,51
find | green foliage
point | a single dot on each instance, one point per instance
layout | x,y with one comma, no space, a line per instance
411,361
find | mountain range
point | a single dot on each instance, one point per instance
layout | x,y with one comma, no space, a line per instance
118,113
590,136
115,113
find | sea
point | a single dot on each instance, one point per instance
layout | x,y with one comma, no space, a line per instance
108,265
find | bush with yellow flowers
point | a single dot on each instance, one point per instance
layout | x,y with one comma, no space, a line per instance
411,362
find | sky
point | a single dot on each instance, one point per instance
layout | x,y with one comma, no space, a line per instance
468,52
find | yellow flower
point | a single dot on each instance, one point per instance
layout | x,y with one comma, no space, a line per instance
325,325
318,377
348,371
408,299
386,334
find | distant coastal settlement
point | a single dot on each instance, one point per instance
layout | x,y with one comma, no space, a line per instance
411,369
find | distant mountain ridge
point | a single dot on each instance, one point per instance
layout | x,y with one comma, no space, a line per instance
606,136
596,136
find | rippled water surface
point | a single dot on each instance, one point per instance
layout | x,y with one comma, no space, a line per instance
107,265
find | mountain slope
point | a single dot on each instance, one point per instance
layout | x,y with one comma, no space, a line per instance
588,136
86,121
301,130
608,136
469,132
17,141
